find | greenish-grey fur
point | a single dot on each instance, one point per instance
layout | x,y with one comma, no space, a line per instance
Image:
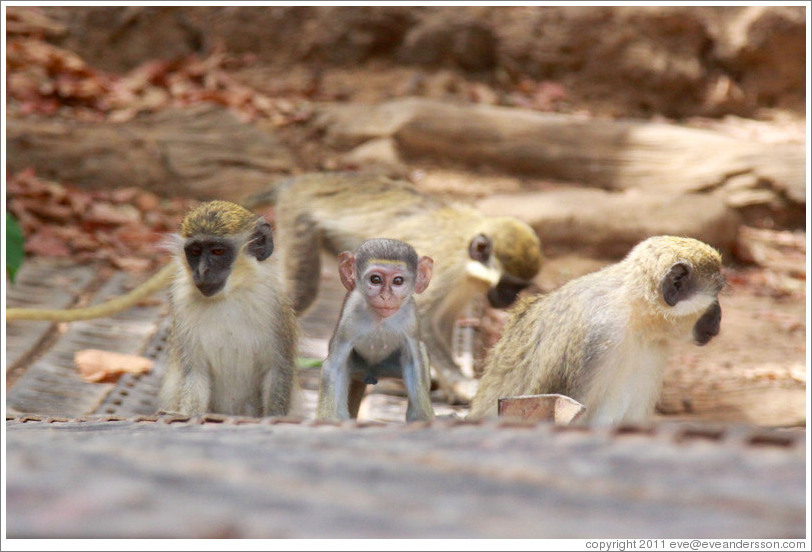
217,218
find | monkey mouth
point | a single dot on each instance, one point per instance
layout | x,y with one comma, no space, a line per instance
209,289
385,312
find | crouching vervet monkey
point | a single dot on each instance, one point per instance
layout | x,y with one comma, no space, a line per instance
601,339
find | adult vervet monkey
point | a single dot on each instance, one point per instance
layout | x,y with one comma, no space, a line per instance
602,338
234,332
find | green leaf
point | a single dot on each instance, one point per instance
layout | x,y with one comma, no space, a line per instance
306,362
15,249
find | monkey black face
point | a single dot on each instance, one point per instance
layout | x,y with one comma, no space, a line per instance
506,291
210,260
707,327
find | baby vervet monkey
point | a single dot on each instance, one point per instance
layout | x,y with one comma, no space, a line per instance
601,339
234,331
377,331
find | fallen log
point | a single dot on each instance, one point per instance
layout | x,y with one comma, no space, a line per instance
201,151
610,154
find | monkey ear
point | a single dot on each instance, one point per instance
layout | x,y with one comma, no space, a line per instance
425,266
480,248
346,269
260,244
675,285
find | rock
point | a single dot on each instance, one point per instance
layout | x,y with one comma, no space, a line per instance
761,44
118,39
607,225
469,45
643,59
341,36
616,60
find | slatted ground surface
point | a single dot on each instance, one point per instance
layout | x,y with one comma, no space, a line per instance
95,463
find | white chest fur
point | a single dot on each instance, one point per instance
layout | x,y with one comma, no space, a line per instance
626,387
227,337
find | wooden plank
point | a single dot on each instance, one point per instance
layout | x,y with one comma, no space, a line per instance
549,408
52,385
137,394
41,283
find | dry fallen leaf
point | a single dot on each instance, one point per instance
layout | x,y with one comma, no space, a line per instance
131,264
45,243
98,366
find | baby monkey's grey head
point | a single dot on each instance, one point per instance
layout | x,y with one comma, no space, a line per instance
383,249
386,272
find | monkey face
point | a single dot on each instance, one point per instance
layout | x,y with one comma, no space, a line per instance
686,290
386,287
210,261
506,291
708,325
508,287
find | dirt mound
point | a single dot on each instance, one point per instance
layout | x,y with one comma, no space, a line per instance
676,61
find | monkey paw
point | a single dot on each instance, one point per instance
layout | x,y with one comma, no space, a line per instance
462,391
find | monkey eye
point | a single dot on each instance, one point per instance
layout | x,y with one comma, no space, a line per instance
195,251
218,251
398,281
376,279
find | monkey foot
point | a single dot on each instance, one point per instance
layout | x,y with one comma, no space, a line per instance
461,391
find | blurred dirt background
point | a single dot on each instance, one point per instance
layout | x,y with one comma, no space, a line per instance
685,120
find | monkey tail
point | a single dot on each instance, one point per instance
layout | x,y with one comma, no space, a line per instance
156,282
